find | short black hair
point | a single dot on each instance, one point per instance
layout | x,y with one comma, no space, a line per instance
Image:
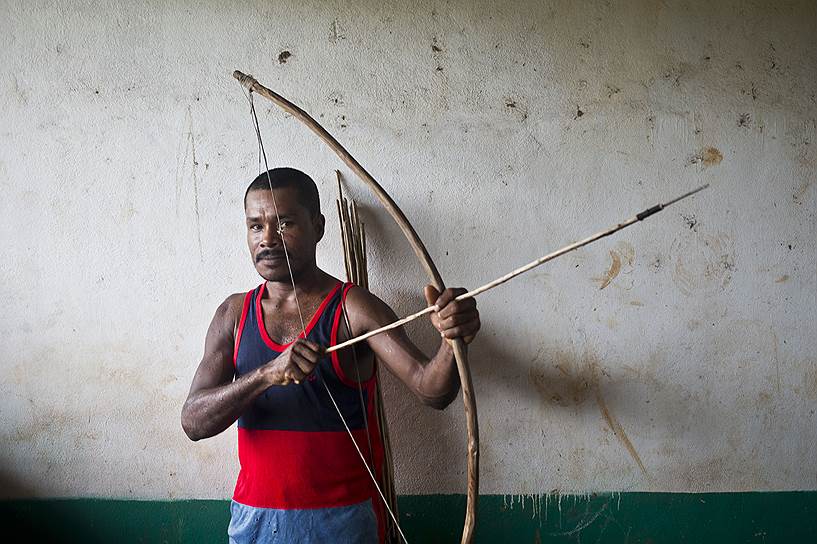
289,177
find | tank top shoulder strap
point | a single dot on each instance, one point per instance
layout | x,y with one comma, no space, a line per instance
248,306
338,310
335,355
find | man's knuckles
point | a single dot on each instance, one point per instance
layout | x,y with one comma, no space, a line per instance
458,307
460,326
457,332
457,319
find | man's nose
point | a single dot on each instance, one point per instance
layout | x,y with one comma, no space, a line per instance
271,237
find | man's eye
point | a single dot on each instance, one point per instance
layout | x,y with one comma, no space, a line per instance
255,227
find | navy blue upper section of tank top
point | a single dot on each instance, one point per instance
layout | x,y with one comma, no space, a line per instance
297,407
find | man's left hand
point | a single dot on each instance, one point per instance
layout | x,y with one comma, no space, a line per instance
455,318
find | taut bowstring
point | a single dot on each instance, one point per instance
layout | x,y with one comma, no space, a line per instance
366,422
280,230
263,155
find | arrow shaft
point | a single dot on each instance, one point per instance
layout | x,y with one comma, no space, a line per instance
517,272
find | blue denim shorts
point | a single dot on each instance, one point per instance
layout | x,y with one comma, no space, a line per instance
353,524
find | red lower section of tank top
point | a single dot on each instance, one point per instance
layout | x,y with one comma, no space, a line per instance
293,469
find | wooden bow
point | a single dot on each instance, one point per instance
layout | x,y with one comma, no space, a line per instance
460,351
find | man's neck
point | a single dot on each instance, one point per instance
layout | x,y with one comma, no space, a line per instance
307,282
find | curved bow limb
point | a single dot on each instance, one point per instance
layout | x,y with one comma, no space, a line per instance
460,351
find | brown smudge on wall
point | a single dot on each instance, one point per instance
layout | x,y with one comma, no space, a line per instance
539,380
782,279
571,386
578,379
801,191
711,156
612,272
623,254
612,323
619,432
809,389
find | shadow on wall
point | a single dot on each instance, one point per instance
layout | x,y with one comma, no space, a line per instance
671,417
422,439
579,383
574,382
17,516
12,488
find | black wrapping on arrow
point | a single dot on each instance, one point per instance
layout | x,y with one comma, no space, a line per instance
649,211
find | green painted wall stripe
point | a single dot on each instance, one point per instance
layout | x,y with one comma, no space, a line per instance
789,517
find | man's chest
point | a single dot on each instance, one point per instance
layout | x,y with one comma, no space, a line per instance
284,321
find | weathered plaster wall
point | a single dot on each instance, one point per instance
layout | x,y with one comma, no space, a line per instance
678,356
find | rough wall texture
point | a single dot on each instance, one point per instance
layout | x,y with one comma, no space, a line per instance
678,356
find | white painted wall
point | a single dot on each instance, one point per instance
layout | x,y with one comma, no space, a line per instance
125,148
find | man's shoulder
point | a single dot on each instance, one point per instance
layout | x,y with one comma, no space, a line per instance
235,300
230,309
360,297
364,303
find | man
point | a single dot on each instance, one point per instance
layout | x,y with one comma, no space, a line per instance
301,479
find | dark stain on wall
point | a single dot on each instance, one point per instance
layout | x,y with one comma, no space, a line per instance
708,156
711,156
691,222
577,380
335,32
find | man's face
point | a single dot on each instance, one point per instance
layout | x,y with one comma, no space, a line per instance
300,231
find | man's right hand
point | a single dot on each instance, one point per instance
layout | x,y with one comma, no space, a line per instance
294,364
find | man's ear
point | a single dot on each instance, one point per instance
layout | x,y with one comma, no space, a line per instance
320,226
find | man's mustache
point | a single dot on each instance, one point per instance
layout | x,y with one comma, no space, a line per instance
269,254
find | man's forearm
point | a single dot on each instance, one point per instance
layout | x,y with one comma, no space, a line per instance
440,381
210,411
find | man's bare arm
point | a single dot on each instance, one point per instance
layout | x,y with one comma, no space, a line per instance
216,401
434,380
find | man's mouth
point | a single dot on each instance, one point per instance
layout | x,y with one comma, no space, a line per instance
269,256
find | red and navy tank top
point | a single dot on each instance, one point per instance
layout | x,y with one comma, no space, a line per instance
293,449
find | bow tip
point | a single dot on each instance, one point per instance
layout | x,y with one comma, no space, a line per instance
244,79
